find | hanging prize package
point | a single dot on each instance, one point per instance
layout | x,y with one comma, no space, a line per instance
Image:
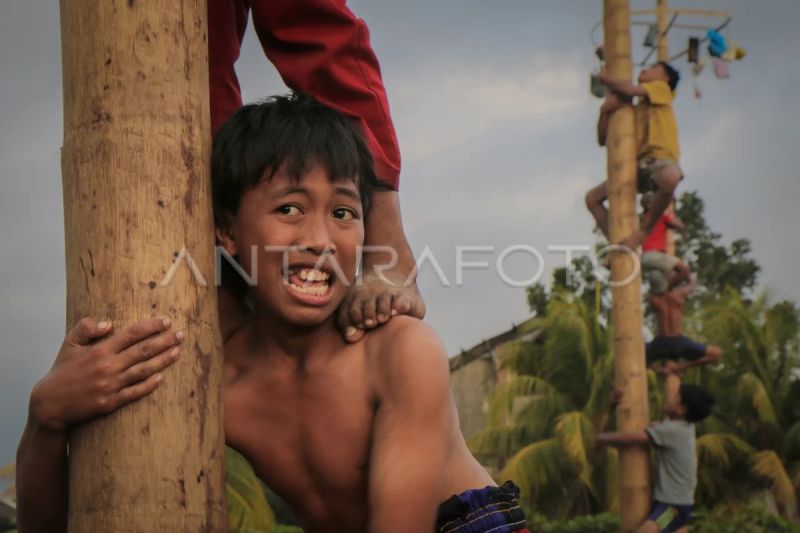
651,38
721,70
694,49
595,87
697,68
734,51
716,43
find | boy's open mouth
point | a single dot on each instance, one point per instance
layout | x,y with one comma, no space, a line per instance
312,285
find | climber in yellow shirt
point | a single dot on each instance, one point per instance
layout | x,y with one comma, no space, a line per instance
657,143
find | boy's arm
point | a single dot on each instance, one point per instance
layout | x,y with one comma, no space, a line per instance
672,392
95,373
41,479
621,87
618,438
321,48
686,289
611,104
676,223
414,423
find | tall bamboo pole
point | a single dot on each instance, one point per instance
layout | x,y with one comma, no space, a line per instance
630,375
662,21
136,193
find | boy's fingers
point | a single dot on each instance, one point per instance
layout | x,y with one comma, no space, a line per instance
368,310
353,334
402,304
384,307
355,312
137,332
143,371
86,330
138,391
151,347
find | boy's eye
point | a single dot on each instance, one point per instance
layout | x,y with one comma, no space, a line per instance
344,213
289,209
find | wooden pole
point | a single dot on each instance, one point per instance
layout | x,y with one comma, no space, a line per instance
662,21
135,166
630,374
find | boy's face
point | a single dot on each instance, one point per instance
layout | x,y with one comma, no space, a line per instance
675,411
314,228
653,73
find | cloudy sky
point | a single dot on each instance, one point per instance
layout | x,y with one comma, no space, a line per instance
496,128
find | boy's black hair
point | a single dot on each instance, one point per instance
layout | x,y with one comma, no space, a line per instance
294,130
673,75
697,401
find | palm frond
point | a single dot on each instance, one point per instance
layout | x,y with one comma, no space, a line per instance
502,400
521,357
569,349
248,509
598,407
753,390
576,434
791,442
539,414
655,395
717,450
606,481
721,459
499,442
538,468
767,465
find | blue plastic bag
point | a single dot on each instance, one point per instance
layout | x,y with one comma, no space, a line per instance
716,43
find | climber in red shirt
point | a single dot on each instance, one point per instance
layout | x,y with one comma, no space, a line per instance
662,270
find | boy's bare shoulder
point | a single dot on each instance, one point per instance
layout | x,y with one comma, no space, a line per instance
404,347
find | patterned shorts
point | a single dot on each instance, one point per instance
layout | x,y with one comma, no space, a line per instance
487,510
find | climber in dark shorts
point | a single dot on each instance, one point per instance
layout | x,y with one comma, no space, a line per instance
671,347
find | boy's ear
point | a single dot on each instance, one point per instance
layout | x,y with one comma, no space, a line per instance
226,240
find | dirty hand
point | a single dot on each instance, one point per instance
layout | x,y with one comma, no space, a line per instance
97,371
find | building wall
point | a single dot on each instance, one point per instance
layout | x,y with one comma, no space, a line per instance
472,384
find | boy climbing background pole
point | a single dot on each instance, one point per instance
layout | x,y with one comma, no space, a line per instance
630,374
136,199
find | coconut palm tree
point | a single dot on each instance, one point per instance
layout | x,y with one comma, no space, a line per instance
755,433
543,418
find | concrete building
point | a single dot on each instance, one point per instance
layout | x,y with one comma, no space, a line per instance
475,373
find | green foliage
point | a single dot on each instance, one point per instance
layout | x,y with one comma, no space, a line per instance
750,518
600,523
717,266
543,419
750,444
248,509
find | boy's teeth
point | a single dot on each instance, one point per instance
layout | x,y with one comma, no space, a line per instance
318,290
308,274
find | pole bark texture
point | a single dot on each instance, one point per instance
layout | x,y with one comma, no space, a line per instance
662,21
630,372
135,168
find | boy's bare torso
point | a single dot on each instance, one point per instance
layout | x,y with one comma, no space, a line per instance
308,430
305,429
669,313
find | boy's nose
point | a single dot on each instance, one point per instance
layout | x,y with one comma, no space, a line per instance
317,237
